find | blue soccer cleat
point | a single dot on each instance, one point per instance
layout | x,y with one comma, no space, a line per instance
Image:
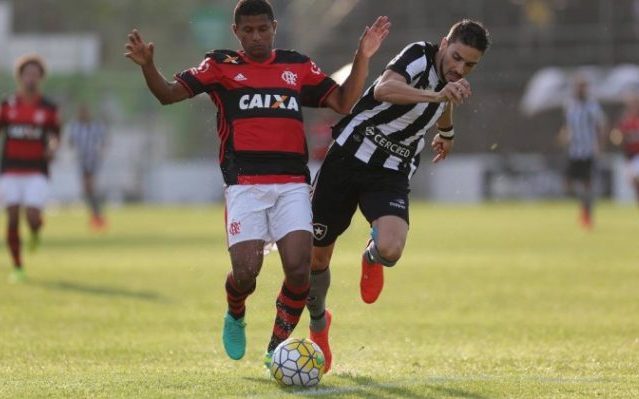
234,337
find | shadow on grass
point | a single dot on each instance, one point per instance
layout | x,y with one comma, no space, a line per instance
99,290
367,387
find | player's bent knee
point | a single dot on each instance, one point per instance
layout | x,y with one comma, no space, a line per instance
298,276
320,261
390,250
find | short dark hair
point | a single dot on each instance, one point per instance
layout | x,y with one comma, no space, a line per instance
471,33
253,7
30,59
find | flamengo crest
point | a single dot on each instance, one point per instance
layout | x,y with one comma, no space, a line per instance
289,77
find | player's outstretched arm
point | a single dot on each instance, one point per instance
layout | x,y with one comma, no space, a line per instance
394,89
344,97
142,54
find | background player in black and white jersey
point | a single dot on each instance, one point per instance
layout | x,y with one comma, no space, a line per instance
258,92
375,152
88,137
584,134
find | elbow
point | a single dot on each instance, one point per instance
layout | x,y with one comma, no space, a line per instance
165,101
343,109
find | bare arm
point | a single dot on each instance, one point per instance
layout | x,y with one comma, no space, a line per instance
441,145
142,54
394,89
342,99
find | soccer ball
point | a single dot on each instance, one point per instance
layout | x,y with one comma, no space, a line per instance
297,362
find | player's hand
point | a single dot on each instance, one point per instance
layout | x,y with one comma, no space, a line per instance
441,147
373,37
137,50
456,92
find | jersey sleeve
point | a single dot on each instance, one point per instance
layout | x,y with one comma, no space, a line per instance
316,86
199,79
410,62
53,122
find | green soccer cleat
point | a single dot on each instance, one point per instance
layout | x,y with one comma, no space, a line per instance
17,276
268,359
234,337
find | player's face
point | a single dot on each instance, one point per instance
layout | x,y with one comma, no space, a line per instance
458,60
30,78
256,34
581,89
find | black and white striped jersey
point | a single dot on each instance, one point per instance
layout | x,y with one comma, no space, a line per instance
583,120
390,135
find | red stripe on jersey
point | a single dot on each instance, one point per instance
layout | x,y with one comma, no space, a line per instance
269,134
24,149
270,179
223,127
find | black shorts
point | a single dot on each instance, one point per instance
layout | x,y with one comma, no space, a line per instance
580,169
344,182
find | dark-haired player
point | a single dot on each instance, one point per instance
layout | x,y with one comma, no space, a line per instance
30,125
376,151
259,92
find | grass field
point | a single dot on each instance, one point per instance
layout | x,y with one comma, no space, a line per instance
492,301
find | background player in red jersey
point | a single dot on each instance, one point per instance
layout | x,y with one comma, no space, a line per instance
259,92
31,129
629,127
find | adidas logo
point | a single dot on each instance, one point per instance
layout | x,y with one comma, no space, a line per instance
239,77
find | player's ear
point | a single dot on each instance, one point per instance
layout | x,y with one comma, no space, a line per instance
444,43
275,26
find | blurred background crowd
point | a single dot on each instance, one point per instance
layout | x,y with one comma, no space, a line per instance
507,146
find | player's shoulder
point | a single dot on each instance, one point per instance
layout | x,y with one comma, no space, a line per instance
9,100
418,49
290,57
46,102
224,56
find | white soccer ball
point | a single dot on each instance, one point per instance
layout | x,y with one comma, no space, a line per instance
297,362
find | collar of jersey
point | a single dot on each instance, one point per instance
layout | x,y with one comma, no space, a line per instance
35,100
250,61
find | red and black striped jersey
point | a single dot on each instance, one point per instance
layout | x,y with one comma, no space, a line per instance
629,127
259,118
27,127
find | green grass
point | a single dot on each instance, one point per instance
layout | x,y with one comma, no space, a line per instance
492,301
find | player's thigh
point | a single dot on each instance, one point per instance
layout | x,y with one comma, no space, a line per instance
36,191
246,260
295,252
334,198
580,170
291,211
246,218
384,193
11,190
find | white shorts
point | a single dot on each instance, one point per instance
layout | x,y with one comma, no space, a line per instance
633,167
266,211
29,190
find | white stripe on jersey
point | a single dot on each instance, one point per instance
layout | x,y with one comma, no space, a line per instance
405,124
583,119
